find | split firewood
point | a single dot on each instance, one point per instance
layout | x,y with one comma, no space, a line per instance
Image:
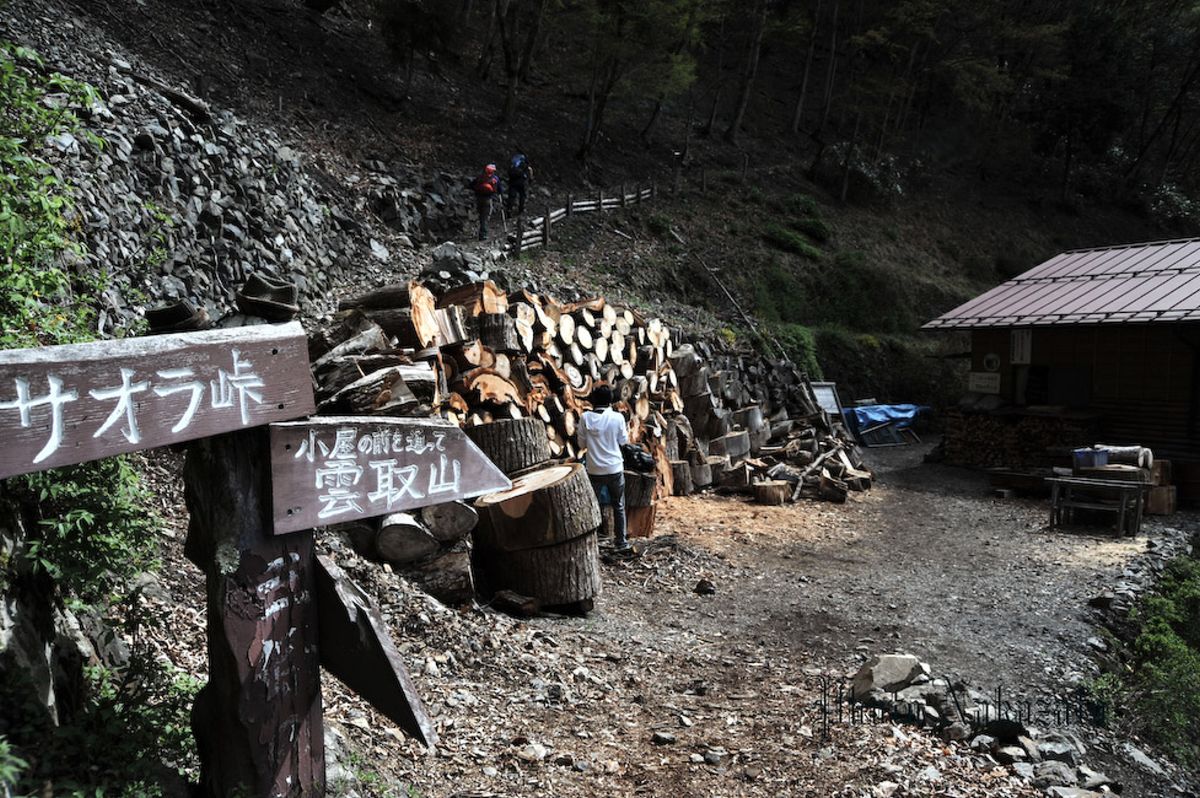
476,298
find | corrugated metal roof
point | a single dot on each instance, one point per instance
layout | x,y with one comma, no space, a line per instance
1152,282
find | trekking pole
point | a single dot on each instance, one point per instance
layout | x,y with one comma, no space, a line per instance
504,220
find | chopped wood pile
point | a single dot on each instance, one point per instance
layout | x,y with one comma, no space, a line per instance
516,370
1012,440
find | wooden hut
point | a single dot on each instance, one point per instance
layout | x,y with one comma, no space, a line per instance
1093,344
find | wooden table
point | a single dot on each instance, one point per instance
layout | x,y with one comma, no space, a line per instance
1125,499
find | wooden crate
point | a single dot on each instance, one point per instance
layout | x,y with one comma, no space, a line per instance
1161,500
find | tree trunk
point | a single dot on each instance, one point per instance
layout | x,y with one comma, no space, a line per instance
446,576
798,113
681,477
639,488
831,74
748,73
531,39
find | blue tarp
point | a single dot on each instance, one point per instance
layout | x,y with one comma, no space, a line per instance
860,418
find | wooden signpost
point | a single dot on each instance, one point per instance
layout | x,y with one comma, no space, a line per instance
276,612
61,405
330,469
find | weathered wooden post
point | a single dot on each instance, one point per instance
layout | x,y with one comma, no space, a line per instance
570,204
638,189
623,200
600,201
745,165
258,719
546,228
677,177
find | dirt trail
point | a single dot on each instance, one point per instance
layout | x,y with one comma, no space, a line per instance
926,562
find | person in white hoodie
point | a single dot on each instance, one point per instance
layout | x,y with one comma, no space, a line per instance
603,431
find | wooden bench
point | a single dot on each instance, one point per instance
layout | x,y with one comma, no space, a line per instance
1125,499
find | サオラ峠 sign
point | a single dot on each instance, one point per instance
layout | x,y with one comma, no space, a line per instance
61,405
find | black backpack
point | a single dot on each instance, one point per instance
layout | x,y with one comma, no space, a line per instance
636,458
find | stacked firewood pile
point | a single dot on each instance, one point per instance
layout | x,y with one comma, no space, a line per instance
1012,440
516,369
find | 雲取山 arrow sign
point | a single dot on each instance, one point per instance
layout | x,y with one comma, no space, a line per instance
330,469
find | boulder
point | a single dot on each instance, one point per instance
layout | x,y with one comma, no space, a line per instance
1072,792
1092,779
890,673
1053,773
1060,752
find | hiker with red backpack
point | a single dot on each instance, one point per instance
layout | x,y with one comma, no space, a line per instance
486,187
520,175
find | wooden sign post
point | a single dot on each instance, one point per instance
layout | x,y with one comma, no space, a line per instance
254,498
257,721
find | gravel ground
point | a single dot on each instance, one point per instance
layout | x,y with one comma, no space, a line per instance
926,563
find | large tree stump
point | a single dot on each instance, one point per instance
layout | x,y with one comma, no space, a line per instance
512,444
258,719
701,475
544,507
564,573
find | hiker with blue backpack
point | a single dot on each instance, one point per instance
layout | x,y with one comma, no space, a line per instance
486,187
520,175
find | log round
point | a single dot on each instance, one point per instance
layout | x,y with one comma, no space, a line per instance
775,491
639,488
701,475
512,444
565,573
544,507
447,575
681,476
449,522
403,539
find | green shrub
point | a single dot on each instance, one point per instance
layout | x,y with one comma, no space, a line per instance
658,224
35,207
131,732
800,344
94,530
801,205
814,228
789,241
1164,689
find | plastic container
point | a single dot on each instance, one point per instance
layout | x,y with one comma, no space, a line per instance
1089,458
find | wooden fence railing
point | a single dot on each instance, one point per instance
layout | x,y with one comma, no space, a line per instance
538,231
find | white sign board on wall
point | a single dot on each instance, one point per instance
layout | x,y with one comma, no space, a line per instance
983,382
